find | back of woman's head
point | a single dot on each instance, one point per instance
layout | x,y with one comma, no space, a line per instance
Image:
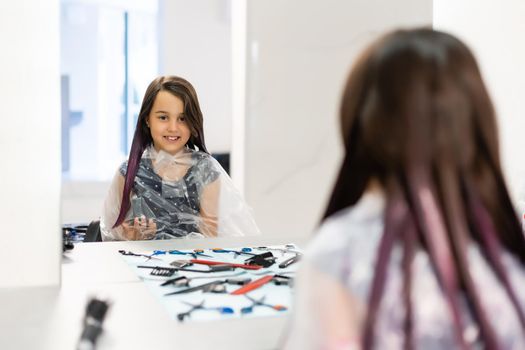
416,98
416,116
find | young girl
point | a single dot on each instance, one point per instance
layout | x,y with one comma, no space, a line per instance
171,187
421,247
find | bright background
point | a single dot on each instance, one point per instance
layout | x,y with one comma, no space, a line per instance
269,75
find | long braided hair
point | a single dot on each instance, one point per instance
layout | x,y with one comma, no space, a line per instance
416,116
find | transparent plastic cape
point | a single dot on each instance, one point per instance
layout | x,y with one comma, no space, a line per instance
187,195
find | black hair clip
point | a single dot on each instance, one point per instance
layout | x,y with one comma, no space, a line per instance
265,259
281,280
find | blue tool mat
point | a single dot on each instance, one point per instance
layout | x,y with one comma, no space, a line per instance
273,297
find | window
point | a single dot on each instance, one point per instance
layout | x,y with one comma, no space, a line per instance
109,54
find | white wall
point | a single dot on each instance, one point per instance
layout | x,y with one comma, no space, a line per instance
196,44
495,32
82,202
299,55
30,236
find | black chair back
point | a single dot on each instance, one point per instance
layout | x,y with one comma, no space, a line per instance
93,232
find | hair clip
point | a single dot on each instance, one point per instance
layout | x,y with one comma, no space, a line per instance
265,260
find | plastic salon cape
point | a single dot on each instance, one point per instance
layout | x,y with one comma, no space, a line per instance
187,195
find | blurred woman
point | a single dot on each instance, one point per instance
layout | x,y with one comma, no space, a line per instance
420,247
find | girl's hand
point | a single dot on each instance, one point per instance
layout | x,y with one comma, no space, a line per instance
140,228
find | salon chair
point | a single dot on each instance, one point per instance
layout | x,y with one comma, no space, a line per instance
93,232
224,160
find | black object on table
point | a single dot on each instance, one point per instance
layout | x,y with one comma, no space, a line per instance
95,313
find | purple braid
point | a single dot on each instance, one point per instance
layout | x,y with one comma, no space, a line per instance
492,248
395,222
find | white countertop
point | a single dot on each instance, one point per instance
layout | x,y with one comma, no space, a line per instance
50,317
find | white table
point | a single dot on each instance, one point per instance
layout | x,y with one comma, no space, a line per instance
50,318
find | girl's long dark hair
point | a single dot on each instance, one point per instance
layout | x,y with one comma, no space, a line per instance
180,88
416,116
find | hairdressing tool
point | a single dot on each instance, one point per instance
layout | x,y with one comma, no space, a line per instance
288,248
252,285
265,260
243,251
290,261
184,280
151,256
180,263
130,253
282,280
216,286
166,270
181,316
162,271
238,281
195,253
260,302
200,306
72,234
95,313
67,241
206,287
180,281
209,262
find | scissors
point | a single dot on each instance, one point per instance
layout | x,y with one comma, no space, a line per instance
260,302
224,310
288,248
245,251
130,253
195,253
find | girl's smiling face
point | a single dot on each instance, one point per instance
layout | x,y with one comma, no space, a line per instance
168,126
